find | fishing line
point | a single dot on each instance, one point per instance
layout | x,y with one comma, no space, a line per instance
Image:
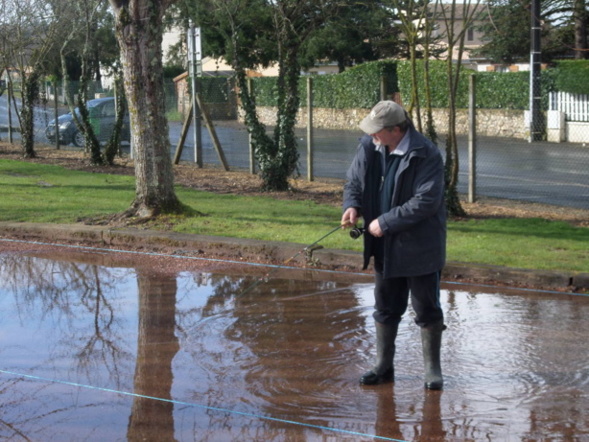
190,404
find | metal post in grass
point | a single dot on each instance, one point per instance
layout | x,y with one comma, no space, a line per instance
10,101
472,142
195,70
55,113
536,124
252,155
310,129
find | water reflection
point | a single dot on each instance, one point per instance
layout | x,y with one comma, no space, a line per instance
97,347
157,345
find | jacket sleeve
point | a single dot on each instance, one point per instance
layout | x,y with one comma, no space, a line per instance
420,198
354,186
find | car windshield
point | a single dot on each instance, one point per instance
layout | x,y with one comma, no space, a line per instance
92,103
89,104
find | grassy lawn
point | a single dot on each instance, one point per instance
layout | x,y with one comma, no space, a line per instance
50,194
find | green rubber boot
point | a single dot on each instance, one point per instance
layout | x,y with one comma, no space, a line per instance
383,371
431,341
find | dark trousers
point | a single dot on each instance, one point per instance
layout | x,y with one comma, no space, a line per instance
391,297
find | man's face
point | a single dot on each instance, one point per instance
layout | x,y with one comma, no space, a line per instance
386,137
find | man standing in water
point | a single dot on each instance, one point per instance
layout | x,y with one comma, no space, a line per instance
396,184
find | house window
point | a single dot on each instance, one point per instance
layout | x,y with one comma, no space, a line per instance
470,34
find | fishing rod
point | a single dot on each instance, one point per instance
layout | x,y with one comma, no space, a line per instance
306,249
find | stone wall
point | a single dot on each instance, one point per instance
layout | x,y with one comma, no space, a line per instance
490,122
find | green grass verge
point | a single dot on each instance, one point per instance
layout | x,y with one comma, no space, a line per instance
51,194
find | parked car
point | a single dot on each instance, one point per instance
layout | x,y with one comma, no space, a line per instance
102,117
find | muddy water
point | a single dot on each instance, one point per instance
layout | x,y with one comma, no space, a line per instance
111,346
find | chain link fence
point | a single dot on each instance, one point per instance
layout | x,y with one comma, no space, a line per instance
508,163
554,170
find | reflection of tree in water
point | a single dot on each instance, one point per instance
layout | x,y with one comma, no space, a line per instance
81,301
101,346
66,293
302,333
278,342
21,394
156,347
78,303
220,301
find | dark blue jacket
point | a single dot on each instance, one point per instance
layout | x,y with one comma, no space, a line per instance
415,227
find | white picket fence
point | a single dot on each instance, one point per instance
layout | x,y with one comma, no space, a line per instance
574,106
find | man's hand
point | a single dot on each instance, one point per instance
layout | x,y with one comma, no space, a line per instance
350,217
374,229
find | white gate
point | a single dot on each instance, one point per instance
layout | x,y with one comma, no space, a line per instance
574,106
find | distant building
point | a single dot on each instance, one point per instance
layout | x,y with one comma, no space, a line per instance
473,38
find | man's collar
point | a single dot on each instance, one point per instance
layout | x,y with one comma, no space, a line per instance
401,148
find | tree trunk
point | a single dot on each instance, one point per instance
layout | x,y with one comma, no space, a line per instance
452,160
580,17
286,157
139,28
30,94
415,106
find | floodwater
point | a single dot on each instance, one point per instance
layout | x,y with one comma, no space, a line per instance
102,345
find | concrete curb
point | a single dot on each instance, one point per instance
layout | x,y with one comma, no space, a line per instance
272,252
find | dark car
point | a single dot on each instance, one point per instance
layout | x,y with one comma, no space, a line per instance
102,117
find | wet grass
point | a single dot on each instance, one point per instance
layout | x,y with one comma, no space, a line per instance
51,194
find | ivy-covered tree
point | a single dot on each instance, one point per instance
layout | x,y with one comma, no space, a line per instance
250,33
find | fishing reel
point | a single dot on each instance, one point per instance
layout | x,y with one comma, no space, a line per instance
356,232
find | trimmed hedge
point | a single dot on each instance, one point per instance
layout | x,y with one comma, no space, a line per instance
356,87
572,76
359,87
494,90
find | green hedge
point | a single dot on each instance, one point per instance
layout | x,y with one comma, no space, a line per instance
494,90
359,87
572,76
356,87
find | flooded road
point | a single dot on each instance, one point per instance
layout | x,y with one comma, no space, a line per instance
107,345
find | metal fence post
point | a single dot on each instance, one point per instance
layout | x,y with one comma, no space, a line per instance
472,144
252,153
536,118
310,129
56,113
383,88
10,103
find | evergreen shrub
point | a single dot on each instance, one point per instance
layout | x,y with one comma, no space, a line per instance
571,76
359,87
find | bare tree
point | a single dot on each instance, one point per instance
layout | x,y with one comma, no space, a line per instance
457,19
417,28
139,29
30,30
